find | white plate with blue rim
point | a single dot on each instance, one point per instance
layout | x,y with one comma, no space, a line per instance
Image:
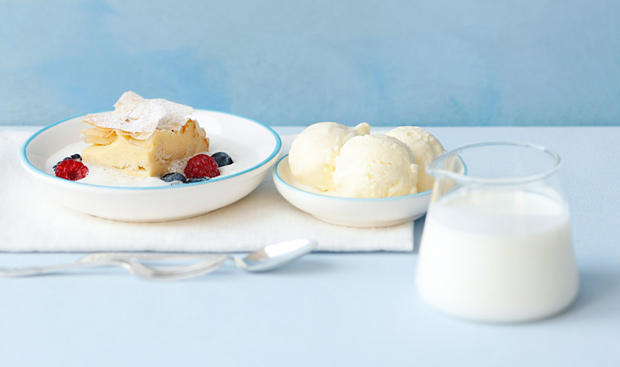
345,211
253,146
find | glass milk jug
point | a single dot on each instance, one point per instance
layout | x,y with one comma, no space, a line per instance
497,244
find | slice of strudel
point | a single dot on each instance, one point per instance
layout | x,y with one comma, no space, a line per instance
143,137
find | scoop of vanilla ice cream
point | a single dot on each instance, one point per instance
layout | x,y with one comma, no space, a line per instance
375,166
313,153
425,148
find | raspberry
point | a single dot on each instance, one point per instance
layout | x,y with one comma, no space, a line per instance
70,169
201,165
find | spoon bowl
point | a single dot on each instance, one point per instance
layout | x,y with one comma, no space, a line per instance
275,255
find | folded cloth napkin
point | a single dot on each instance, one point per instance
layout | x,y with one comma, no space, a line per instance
30,222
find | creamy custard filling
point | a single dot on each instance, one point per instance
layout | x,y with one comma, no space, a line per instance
150,157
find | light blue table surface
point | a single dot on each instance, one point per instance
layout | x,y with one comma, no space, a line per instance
328,309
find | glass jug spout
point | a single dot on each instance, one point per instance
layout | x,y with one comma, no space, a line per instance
448,170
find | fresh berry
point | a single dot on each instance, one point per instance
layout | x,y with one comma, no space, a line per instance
173,176
222,159
76,157
196,179
57,163
70,169
201,165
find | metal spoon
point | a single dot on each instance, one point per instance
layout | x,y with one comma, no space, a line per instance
275,255
267,258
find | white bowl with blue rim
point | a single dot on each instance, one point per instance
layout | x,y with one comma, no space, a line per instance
345,211
253,146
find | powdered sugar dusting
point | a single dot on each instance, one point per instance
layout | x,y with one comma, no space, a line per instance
141,117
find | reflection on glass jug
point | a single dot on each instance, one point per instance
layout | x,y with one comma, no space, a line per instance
497,243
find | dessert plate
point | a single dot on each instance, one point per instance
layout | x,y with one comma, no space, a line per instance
253,146
352,212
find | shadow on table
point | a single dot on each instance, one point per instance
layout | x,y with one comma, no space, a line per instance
596,286
301,267
306,266
418,228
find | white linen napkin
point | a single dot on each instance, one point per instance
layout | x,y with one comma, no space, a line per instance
30,222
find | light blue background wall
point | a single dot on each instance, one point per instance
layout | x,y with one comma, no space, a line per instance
298,62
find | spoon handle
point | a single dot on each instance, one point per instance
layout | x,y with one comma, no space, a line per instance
175,272
39,270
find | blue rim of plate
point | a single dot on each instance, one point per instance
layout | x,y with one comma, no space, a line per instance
401,197
32,168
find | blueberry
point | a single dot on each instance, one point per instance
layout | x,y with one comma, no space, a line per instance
173,176
196,179
59,162
222,159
